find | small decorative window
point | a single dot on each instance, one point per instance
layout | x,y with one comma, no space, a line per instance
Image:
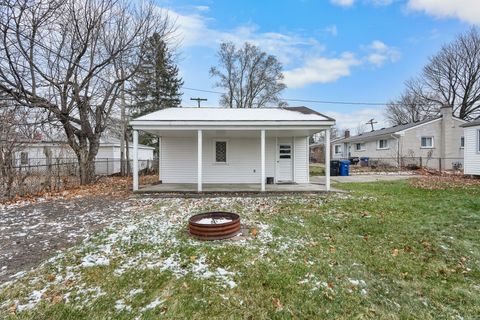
360,146
462,142
221,151
478,140
338,149
285,151
24,158
383,144
427,142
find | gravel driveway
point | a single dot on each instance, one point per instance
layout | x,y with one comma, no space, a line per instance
32,233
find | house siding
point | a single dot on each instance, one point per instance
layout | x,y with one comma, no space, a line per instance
179,160
408,145
472,156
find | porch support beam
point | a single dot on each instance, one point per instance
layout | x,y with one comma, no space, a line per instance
327,159
135,160
262,151
199,160
159,158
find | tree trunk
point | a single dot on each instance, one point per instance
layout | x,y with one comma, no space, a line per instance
86,170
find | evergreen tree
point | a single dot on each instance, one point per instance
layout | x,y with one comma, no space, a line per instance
157,84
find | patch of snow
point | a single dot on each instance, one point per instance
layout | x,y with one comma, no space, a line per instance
152,305
213,221
121,306
92,260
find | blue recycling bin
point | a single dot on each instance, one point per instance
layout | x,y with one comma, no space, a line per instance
344,168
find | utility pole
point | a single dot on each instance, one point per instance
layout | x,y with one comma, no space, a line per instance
371,122
198,100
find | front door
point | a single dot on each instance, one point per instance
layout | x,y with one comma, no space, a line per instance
284,162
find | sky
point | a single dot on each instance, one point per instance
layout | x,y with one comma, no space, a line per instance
331,50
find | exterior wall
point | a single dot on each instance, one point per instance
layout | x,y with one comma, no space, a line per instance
301,161
410,145
472,155
179,160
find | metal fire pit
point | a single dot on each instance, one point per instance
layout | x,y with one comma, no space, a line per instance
214,225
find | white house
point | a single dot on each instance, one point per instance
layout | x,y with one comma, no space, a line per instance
472,147
32,155
232,146
436,143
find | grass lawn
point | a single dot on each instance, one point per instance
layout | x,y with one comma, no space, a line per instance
317,170
385,250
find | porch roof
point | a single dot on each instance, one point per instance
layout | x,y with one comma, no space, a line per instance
291,118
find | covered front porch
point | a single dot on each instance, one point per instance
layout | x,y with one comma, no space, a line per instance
222,150
232,188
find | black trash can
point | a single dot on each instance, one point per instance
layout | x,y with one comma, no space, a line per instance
334,168
364,161
269,180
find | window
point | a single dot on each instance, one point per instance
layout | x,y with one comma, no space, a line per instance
462,142
478,140
221,151
285,151
338,149
426,142
383,144
359,146
24,158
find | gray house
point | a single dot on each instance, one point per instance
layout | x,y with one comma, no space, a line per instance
435,143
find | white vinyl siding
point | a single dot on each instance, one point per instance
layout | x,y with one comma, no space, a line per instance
301,161
472,150
179,160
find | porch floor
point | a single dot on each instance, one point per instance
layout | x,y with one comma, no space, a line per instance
231,188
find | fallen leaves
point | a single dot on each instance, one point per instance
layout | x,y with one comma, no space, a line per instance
445,181
278,305
394,252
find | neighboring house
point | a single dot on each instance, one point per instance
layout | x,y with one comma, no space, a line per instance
233,146
436,143
34,154
472,147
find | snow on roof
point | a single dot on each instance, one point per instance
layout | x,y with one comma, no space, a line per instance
235,114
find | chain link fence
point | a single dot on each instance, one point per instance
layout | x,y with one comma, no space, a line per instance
36,175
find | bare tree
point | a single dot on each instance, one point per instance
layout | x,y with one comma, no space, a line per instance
451,78
411,106
64,56
251,77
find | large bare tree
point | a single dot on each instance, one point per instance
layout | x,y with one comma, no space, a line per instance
65,57
451,78
251,77
410,107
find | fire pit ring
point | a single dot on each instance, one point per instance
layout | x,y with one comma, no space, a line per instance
214,225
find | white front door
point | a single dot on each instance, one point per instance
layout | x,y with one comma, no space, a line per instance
284,162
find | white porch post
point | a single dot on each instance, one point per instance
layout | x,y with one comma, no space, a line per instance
135,160
262,143
159,158
199,161
327,159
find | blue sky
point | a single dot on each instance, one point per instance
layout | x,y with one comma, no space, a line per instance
340,50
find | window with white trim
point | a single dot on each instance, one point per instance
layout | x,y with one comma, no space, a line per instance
23,158
462,142
478,140
382,144
359,146
220,151
338,149
426,142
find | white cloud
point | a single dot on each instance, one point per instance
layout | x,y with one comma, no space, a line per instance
343,3
321,70
465,10
381,53
332,30
354,119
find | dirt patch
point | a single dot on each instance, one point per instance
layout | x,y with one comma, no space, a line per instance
441,182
